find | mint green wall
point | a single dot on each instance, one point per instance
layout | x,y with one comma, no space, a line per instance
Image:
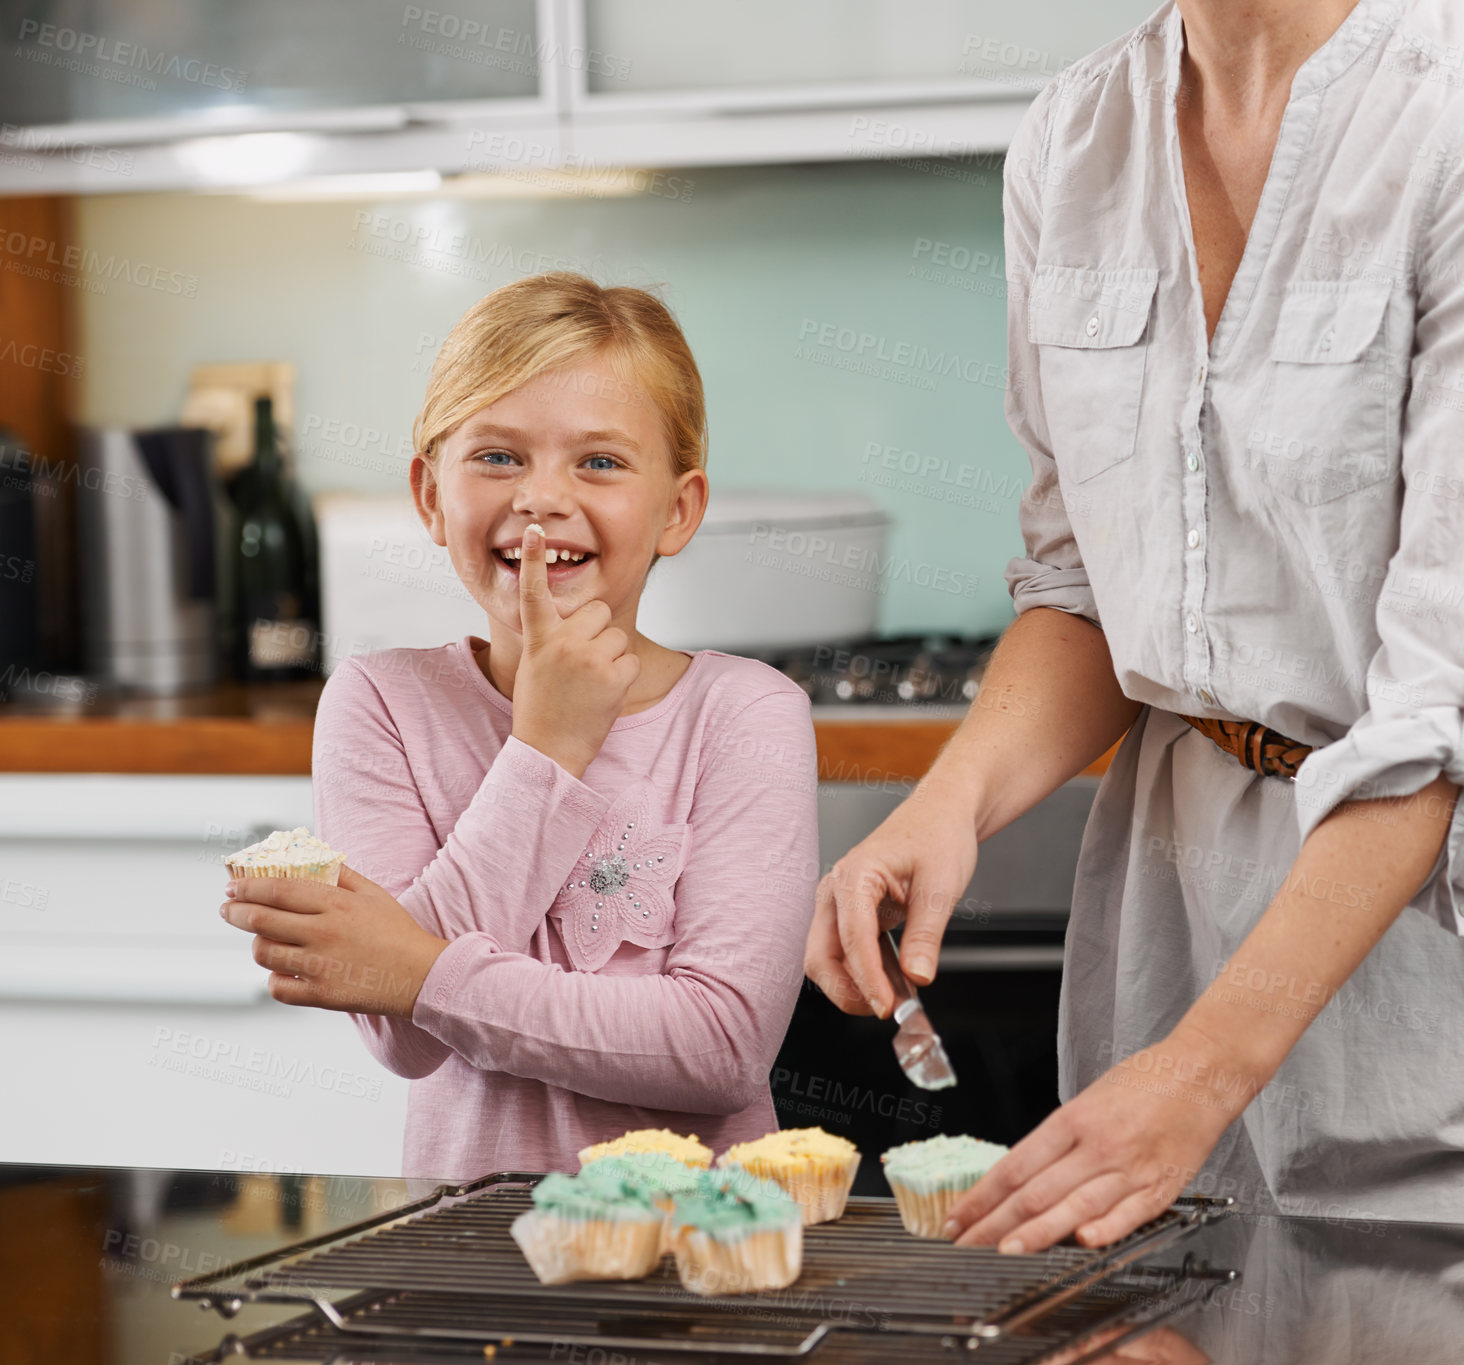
759,264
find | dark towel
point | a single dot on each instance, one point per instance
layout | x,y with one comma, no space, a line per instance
178,460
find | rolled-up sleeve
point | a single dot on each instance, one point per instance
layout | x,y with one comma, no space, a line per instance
1413,728
1051,572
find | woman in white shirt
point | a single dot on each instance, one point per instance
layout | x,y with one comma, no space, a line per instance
1235,253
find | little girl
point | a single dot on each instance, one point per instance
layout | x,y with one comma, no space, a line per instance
593,857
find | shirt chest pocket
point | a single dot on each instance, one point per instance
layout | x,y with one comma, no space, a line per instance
1090,329
1326,426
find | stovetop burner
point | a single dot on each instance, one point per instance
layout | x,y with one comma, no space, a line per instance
900,670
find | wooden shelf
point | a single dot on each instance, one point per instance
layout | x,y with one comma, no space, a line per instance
267,730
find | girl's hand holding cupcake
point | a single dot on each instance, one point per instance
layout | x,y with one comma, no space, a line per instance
345,947
574,673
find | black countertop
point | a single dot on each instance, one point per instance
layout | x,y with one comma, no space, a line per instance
88,1258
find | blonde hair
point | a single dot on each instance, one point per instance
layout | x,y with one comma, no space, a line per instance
543,322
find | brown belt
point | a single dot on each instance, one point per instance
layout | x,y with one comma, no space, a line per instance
1256,746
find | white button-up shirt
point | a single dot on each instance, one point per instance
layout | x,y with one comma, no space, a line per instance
1267,526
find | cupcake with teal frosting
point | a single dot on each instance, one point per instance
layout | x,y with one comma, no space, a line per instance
657,1175
928,1177
735,1234
604,1228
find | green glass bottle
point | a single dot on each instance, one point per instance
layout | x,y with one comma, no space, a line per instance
277,638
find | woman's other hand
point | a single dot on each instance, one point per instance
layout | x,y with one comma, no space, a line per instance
1113,1157
347,947
1159,1346
915,866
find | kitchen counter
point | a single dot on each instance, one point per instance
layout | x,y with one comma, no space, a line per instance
87,1258
266,729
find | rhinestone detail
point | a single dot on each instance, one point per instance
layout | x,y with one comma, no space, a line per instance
609,874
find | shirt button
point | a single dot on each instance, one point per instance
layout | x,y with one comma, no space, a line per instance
1327,337
1191,461
1192,539
1192,623
1092,328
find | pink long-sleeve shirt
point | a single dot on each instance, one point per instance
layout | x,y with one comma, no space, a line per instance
624,950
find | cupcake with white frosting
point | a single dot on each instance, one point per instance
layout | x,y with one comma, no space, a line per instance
927,1178
294,853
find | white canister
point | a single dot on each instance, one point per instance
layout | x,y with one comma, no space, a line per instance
769,569
765,570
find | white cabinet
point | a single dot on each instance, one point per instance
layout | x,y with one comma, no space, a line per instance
644,45
185,68
135,1027
510,87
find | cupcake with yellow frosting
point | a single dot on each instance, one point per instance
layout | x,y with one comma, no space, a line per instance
736,1234
294,853
686,1150
815,1167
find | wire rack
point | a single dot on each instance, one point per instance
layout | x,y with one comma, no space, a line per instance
442,1275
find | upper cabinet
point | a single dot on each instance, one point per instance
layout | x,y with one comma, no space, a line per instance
124,95
161,62
670,45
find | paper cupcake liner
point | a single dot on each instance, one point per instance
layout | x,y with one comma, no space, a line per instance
822,1195
924,1214
666,1205
562,1250
330,873
770,1259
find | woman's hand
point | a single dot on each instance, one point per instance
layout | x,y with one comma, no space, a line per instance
574,673
347,947
920,859
1159,1346
1110,1159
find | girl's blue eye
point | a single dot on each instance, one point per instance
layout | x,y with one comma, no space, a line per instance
496,456
609,462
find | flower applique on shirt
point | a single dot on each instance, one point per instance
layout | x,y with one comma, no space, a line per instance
621,888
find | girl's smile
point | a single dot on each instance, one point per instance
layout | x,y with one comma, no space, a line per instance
562,558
